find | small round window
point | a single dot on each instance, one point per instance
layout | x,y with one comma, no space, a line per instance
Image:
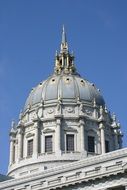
53,80
82,82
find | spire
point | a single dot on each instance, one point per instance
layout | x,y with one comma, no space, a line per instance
64,61
64,40
64,44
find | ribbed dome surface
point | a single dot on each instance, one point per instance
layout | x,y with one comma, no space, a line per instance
67,87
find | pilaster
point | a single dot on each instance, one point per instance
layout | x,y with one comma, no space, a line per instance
16,150
82,135
116,140
20,144
11,151
58,136
120,141
101,127
43,143
36,137
95,114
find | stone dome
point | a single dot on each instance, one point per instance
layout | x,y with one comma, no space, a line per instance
64,120
67,87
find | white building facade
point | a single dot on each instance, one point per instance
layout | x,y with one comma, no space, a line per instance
66,138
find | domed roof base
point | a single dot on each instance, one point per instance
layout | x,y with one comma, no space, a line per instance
31,165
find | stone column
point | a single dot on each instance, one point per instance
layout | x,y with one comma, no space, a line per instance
11,150
62,61
35,143
58,137
95,113
101,126
120,141
42,143
116,140
82,124
20,144
68,61
16,150
98,142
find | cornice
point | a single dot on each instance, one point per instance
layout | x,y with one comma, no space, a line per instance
79,169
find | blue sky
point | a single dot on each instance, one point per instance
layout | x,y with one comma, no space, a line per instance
30,33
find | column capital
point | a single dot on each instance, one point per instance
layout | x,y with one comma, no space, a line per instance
81,121
58,121
36,124
20,124
101,125
13,133
12,139
115,131
20,131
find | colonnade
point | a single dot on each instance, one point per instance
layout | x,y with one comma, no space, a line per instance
57,149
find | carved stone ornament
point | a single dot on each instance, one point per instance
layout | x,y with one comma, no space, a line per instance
50,110
48,130
88,112
29,135
81,107
70,110
39,112
32,115
70,129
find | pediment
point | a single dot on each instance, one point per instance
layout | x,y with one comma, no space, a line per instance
70,129
29,135
48,130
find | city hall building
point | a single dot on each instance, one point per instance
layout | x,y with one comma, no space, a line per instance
66,137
